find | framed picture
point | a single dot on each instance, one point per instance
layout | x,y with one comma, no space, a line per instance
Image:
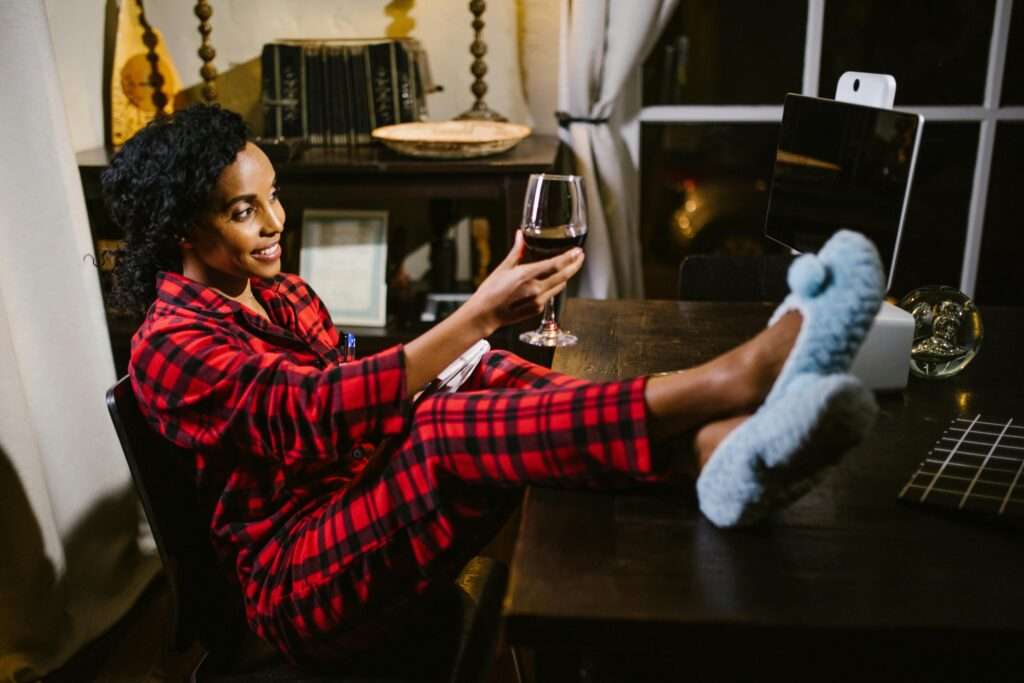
344,258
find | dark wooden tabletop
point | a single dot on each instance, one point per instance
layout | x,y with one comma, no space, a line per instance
643,571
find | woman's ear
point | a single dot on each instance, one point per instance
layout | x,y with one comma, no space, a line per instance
185,240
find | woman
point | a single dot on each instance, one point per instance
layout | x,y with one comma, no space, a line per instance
333,499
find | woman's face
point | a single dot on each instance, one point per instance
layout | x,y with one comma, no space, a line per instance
239,235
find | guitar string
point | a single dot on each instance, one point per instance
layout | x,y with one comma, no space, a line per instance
1013,486
982,422
981,467
1008,458
981,433
982,443
977,496
948,458
989,482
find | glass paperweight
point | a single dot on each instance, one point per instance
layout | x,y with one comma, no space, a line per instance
947,330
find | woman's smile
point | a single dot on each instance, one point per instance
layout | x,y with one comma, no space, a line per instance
270,254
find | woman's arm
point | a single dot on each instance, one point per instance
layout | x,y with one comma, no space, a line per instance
512,292
204,389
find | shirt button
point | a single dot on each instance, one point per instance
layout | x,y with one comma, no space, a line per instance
358,454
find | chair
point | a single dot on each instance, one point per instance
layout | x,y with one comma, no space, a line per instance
207,608
716,277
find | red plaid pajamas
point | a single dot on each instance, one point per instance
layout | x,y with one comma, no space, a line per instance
326,548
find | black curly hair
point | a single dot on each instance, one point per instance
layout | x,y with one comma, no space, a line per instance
157,186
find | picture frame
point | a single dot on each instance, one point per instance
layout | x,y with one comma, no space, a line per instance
344,257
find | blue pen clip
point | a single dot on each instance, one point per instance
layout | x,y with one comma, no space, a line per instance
350,346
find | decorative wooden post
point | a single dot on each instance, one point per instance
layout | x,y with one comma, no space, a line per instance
143,80
478,49
156,79
206,52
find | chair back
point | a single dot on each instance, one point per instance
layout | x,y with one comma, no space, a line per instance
206,606
717,277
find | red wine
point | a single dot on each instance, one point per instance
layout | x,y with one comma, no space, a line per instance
548,242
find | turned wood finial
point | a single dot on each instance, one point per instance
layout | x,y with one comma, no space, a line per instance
206,52
478,48
156,80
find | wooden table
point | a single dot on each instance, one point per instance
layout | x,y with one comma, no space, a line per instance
847,584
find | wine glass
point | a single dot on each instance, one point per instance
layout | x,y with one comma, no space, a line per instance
554,221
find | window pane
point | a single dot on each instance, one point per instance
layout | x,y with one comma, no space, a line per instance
935,227
937,51
704,190
1013,76
1000,276
728,52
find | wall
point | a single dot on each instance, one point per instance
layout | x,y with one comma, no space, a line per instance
240,27
539,29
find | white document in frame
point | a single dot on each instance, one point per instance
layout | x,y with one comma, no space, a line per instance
344,257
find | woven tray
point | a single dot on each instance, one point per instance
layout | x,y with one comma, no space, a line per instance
451,139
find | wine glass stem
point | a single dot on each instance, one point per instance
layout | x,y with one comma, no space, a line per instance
547,321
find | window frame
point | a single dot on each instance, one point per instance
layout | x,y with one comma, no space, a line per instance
988,114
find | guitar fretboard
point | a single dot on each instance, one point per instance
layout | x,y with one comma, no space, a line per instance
976,465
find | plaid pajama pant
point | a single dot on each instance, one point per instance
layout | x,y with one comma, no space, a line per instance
354,565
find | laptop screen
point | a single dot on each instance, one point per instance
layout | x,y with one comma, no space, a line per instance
841,165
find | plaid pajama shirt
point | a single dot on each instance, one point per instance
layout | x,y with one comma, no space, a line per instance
334,500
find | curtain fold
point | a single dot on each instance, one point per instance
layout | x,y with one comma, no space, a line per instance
603,47
72,561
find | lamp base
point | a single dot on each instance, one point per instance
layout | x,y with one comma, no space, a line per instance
480,112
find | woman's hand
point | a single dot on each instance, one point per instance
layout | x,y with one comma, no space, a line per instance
512,292
516,291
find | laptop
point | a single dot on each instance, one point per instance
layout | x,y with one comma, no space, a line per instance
842,165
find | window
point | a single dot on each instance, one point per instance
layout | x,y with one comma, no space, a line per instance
1000,277
937,52
713,90
714,53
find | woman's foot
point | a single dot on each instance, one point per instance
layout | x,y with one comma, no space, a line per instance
710,435
731,384
762,463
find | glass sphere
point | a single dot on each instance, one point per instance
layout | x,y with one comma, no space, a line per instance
947,330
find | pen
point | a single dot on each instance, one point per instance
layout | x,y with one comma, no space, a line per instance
349,341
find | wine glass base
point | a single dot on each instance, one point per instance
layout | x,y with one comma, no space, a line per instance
549,338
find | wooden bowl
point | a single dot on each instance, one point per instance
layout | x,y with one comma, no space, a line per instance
451,139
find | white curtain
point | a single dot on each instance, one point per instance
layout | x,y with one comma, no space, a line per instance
71,559
603,47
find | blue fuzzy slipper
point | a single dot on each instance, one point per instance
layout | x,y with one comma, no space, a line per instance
778,454
838,291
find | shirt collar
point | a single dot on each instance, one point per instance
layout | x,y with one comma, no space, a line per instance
177,290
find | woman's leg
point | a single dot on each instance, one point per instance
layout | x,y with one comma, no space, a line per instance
503,370
355,567
705,401
711,396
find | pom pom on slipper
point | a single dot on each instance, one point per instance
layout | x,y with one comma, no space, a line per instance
838,291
